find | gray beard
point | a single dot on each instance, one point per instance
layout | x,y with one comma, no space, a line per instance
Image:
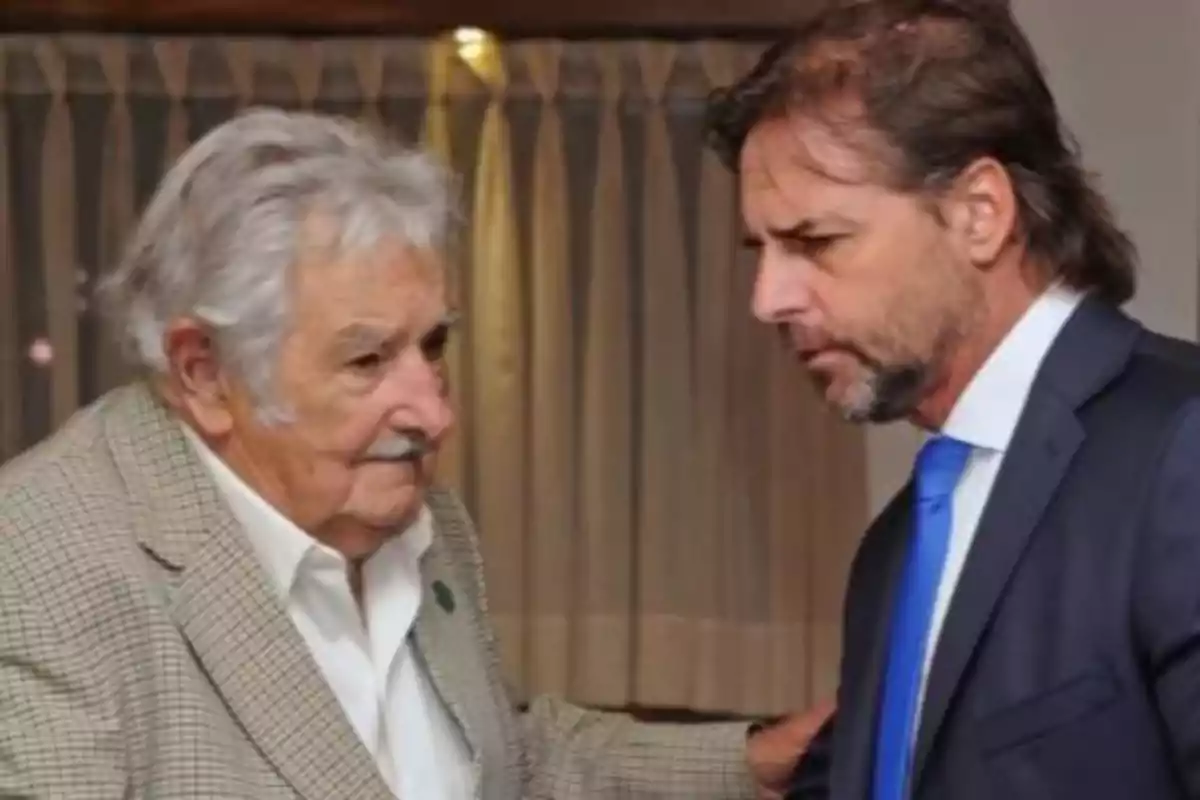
892,394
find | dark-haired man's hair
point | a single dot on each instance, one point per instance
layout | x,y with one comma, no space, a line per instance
929,86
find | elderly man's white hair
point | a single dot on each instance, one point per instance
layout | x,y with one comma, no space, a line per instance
227,223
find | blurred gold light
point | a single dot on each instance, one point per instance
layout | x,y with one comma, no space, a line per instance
472,44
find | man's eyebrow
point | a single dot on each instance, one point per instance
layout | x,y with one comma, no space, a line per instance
445,323
362,335
803,228
359,335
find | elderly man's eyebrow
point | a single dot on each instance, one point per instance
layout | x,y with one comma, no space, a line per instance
437,335
362,336
365,336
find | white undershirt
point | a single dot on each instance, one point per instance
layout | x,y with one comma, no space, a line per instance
372,669
986,417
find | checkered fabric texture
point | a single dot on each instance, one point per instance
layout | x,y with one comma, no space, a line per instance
143,653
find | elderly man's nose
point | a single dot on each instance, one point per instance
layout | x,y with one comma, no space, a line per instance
424,404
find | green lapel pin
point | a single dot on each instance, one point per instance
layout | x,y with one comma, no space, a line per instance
444,597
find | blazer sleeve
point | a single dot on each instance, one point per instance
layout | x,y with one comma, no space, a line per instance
576,753
572,753
59,734
810,781
1166,596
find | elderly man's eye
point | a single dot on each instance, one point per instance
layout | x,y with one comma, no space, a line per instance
368,362
433,345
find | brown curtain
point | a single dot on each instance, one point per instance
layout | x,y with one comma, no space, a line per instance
666,510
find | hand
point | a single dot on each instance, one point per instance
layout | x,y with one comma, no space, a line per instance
772,753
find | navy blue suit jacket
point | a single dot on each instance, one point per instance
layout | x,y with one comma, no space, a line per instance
1069,664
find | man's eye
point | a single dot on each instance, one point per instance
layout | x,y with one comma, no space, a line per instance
433,346
818,244
368,362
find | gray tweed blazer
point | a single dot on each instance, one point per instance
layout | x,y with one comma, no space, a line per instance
143,653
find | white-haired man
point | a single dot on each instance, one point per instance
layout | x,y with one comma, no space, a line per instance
228,579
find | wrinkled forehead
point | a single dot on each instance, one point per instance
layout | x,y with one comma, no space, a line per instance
794,170
391,285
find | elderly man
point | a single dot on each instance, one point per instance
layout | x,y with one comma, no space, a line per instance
228,579
1023,620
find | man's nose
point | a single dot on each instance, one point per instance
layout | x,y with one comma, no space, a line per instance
780,289
423,404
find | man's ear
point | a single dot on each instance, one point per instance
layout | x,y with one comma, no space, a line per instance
981,210
195,380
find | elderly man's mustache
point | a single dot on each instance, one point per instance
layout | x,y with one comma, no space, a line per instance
408,446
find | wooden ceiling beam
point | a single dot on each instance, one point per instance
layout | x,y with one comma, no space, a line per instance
400,17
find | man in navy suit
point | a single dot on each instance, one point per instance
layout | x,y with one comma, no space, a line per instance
1023,620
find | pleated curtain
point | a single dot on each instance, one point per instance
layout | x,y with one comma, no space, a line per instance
666,510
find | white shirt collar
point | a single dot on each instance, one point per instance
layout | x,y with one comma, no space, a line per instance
283,547
987,413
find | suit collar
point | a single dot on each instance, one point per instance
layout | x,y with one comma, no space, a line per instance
286,551
280,545
987,413
226,608
177,505
1092,349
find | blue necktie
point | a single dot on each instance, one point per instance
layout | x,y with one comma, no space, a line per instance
939,465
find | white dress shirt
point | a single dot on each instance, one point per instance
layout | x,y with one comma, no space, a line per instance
986,417
378,680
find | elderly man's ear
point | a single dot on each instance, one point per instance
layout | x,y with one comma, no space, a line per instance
195,384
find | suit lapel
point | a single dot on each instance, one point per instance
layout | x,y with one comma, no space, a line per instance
1046,439
1092,349
884,548
444,638
259,663
224,607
